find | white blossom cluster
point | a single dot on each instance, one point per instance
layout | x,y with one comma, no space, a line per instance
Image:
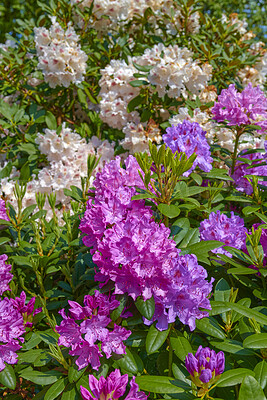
174,72
60,56
116,93
67,154
137,136
121,11
216,134
256,74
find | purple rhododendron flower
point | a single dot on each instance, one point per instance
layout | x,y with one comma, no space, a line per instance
246,108
112,387
231,231
5,274
205,367
136,253
8,354
190,138
11,322
242,169
3,214
27,311
87,326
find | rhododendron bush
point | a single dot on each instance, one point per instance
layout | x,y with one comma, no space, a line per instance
133,202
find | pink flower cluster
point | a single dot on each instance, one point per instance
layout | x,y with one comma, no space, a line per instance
113,387
3,214
246,108
15,315
136,253
231,231
87,326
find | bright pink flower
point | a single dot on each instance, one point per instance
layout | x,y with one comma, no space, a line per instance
112,387
3,214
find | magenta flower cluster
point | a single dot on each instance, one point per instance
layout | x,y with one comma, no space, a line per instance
15,315
242,169
136,253
5,274
246,108
231,231
87,326
190,138
112,387
205,366
3,214
11,331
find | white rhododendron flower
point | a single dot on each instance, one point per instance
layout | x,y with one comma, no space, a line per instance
60,56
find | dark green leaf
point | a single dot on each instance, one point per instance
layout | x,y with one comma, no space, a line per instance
8,377
155,339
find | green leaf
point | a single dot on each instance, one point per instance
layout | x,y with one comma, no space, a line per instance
143,68
56,389
181,346
250,389
49,336
157,384
138,82
70,393
130,362
8,377
218,307
204,246
210,327
4,240
170,211
146,308
134,103
261,373
248,312
231,346
40,378
50,121
74,374
191,237
257,341
179,229
155,339
234,377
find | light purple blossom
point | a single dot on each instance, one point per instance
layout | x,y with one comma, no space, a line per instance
242,169
136,253
205,367
190,138
3,214
246,108
88,326
112,387
5,274
231,231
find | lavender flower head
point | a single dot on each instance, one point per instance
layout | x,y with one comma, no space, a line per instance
5,274
231,231
136,253
87,327
246,108
112,387
205,367
242,169
190,138
3,214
